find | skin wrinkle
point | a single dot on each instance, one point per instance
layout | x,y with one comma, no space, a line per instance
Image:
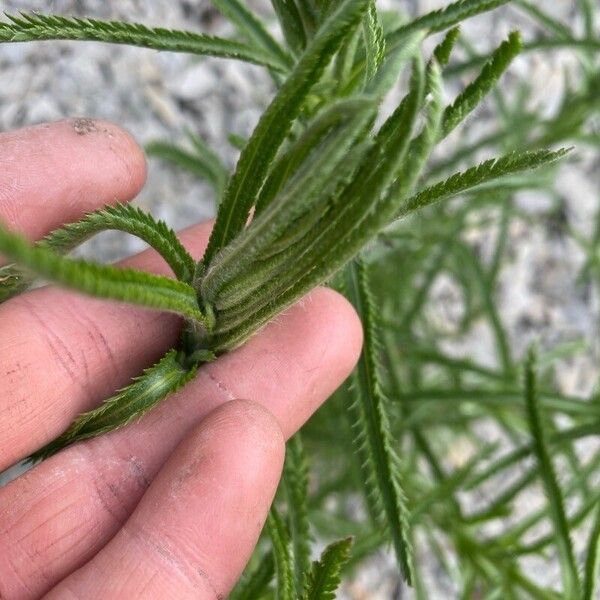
144,539
99,340
56,346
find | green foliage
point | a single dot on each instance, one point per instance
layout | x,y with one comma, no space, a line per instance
592,561
319,183
486,172
126,285
201,161
474,93
570,576
282,553
275,124
253,29
379,463
444,18
122,217
157,382
324,577
295,482
28,27
291,24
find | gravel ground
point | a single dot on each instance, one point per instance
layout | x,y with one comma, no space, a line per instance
157,95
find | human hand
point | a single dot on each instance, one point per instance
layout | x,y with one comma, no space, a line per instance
172,505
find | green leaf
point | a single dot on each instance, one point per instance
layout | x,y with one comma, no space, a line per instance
132,220
33,27
443,50
202,162
324,577
374,42
570,576
284,567
321,256
275,124
143,394
592,561
469,180
422,145
337,115
121,217
295,483
444,18
254,584
303,191
380,465
291,24
126,285
253,29
475,92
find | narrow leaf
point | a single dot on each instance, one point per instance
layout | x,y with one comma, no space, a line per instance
443,50
145,392
474,93
591,582
250,26
202,162
324,577
374,42
488,171
380,465
291,24
570,576
295,482
284,567
126,285
303,191
321,257
33,27
444,18
275,124
253,585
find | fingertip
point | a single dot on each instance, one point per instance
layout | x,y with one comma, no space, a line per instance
125,159
245,428
344,327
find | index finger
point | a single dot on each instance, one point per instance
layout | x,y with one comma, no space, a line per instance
54,173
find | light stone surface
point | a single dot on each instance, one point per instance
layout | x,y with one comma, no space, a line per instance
157,95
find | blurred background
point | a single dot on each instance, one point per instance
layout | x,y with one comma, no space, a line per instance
544,249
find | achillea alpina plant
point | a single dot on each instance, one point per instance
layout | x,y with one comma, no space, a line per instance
316,183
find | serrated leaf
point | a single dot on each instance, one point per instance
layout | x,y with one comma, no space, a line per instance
121,217
374,42
103,281
32,27
275,124
337,114
132,402
295,483
475,92
321,257
444,49
374,441
284,567
444,18
485,172
324,576
320,153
